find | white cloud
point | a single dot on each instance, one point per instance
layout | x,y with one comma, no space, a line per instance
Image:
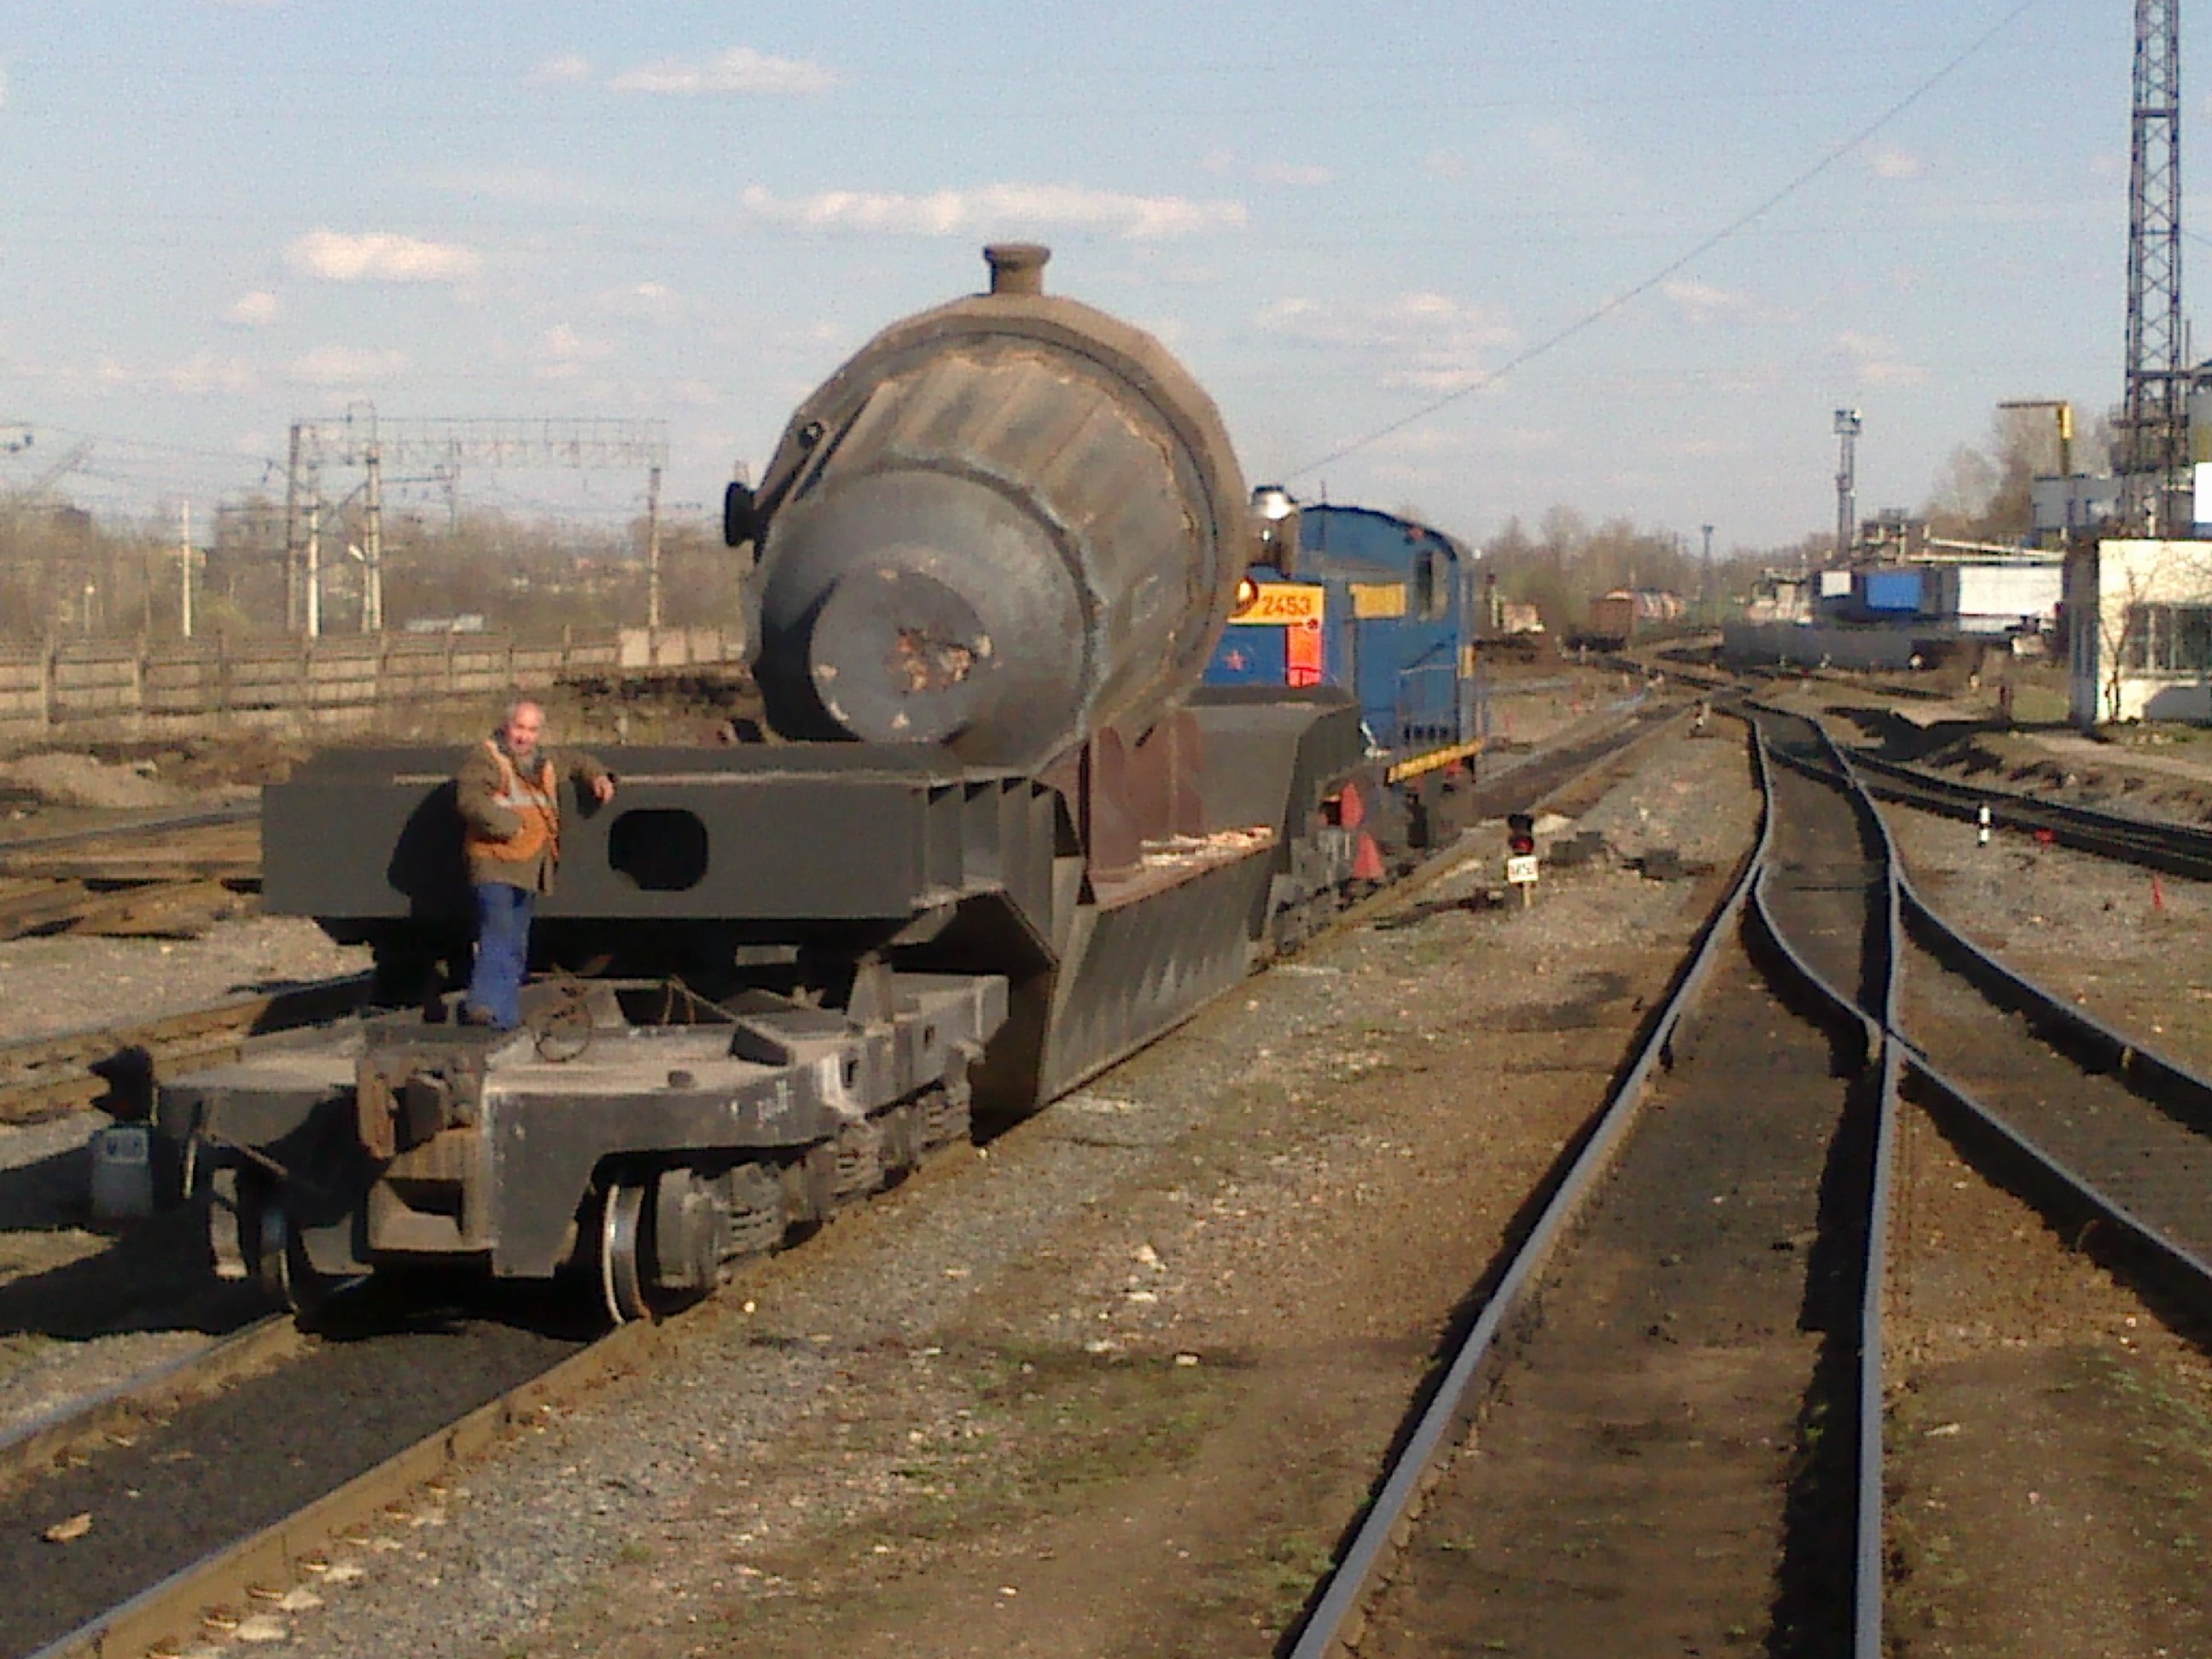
562,353
4,88
204,373
380,257
1444,164
995,208
1558,145
1889,162
643,301
200,375
1227,163
1701,302
565,69
539,186
336,365
1428,341
739,70
1878,362
255,310
1706,449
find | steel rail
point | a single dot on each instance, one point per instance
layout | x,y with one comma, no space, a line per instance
1883,1050
2165,1083
250,1569
2176,848
1626,739
200,819
43,1078
238,1574
1334,1625
2149,1075
47,1438
1869,1553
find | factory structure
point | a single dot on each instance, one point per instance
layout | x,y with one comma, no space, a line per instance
2116,574
1901,598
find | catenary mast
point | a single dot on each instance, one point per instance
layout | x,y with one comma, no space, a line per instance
2154,426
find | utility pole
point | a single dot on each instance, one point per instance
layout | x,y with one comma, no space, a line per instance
184,567
292,534
315,563
652,548
1849,424
372,536
2154,422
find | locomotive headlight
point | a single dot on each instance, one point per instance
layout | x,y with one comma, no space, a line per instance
1247,595
1274,528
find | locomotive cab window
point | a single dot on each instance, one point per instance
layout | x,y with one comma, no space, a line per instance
1432,569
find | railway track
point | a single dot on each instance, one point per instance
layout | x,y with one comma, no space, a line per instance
1679,1380
195,1515
2176,848
43,1077
250,1556
169,877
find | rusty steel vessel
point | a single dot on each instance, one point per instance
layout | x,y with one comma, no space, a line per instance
1000,837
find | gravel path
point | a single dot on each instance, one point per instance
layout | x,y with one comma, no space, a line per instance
2122,943
1147,1277
60,983
1006,1409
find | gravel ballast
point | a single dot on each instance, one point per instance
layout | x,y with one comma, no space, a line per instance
1116,1382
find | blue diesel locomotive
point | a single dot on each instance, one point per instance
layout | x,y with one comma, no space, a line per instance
1379,604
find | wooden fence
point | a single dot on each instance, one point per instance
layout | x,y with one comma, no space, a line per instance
74,688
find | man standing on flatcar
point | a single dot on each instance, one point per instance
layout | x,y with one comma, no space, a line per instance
509,791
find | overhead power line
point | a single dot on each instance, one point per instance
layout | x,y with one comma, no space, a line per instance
1599,314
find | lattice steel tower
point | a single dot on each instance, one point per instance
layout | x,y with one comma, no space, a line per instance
2154,426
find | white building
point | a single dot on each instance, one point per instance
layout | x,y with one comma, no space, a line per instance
2139,626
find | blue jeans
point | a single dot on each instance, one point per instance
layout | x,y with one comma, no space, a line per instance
503,915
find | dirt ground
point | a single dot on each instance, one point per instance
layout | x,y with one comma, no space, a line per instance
2049,1439
1146,1430
1140,1421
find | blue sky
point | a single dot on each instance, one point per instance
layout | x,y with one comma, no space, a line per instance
223,215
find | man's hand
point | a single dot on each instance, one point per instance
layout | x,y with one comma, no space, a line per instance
603,788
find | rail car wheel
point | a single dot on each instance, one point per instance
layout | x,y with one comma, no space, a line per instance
280,1264
621,1253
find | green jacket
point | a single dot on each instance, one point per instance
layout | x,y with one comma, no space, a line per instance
477,786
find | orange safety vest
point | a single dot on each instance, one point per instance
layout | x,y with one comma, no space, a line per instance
538,805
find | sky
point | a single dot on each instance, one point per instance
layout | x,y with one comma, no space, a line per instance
224,216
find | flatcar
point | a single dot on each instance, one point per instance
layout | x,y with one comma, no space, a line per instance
999,835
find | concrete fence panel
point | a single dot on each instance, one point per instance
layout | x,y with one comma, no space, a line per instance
85,689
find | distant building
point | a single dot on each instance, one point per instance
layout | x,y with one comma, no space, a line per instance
1779,598
2139,632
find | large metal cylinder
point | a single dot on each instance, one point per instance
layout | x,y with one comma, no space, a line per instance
1005,523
